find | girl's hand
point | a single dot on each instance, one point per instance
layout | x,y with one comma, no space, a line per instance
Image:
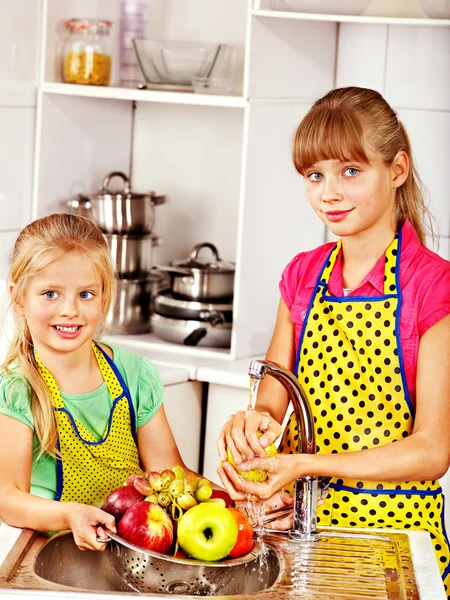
279,500
239,435
86,522
282,470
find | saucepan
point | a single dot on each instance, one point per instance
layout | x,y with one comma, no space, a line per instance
123,211
201,279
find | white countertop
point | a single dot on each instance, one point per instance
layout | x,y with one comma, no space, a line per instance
427,573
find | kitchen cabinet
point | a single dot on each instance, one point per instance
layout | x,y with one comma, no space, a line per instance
183,406
224,161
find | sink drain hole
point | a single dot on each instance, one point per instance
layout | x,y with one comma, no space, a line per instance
178,587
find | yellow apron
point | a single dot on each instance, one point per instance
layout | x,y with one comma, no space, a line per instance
90,469
350,365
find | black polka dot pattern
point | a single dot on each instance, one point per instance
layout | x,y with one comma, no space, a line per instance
92,468
350,371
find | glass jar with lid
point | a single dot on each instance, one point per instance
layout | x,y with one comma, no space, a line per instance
87,52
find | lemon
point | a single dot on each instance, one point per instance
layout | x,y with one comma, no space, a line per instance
256,475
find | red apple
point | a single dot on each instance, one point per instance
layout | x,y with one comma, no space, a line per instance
244,541
147,525
120,500
224,495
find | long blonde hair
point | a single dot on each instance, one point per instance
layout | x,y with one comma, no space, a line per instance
342,125
40,243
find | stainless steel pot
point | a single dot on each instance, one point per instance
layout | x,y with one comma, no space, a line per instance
118,212
191,333
204,280
133,307
167,305
132,254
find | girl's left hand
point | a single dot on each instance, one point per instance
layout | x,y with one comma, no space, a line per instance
282,470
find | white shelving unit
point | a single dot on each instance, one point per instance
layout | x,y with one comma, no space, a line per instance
365,20
224,161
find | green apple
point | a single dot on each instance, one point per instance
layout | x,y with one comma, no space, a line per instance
207,532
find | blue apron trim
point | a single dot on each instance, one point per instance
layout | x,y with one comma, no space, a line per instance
352,299
302,335
59,473
74,425
346,488
118,374
397,326
447,569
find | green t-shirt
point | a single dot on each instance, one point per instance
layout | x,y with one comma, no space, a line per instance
92,410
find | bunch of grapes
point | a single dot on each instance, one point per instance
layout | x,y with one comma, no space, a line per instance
173,489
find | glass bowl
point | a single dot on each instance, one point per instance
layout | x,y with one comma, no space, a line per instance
436,9
176,62
211,85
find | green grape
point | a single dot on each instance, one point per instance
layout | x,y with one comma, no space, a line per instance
152,498
155,480
176,487
202,483
203,493
167,476
190,482
178,471
186,501
164,499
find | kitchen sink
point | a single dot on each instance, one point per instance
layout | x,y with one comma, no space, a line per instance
341,565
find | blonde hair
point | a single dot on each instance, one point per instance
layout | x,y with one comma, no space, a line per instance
40,243
342,125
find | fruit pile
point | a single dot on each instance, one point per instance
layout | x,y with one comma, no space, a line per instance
162,511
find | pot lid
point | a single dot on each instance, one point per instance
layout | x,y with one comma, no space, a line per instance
124,190
207,264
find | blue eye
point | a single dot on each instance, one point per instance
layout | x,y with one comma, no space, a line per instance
86,295
351,171
314,176
50,294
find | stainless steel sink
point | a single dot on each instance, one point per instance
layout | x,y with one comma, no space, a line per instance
341,565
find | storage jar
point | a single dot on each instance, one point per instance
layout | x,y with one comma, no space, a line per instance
87,52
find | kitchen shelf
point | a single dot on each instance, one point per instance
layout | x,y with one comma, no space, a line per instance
166,97
149,341
366,20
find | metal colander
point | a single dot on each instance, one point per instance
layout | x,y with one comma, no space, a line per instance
154,573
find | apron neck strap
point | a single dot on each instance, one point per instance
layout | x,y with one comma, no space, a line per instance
391,265
112,382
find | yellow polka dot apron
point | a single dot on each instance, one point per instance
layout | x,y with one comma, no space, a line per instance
350,365
89,469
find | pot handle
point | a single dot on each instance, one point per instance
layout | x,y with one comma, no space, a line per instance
196,249
156,240
176,270
157,200
79,202
195,336
126,181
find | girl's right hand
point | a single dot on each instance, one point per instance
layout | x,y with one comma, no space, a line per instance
86,522
239,435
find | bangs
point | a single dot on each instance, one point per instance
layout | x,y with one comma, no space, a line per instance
328,133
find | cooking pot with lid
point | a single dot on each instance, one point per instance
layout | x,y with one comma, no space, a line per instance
202,279
121,211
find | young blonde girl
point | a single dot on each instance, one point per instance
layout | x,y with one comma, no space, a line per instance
76,416
364,324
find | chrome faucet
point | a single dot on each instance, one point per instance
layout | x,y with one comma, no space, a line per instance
306,488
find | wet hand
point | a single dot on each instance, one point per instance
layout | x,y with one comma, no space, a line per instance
86,522
239,435
279,500
282,470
